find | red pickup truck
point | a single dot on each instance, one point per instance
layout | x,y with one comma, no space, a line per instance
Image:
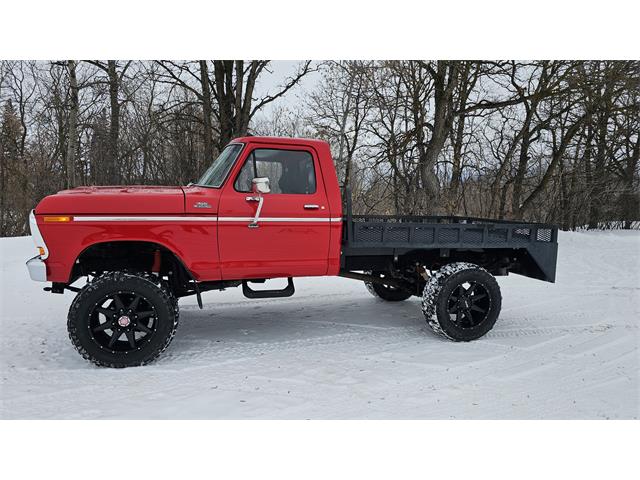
266,208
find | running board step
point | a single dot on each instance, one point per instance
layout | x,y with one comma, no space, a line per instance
285,292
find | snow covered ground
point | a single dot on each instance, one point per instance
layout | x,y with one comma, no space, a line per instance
564,350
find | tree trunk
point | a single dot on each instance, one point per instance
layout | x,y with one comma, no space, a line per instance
225,115
630,202
468,77
556,158
3,187
206,113
456,169
343,128
523,163
72,128
599,170
445,79
113,176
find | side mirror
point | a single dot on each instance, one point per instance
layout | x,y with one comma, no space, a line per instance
260,185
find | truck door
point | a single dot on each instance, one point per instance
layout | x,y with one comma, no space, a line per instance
290,237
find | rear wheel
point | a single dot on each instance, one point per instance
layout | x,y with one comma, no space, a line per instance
121,320
387,292
461,301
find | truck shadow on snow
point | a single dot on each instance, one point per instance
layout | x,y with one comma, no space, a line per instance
245,324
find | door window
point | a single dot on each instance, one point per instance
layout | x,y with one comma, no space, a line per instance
288,171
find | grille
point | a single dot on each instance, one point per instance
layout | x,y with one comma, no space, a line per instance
423,235
365,233
449,235
543,235
472,235
397,234
497,235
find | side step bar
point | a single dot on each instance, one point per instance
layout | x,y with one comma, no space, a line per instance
285,292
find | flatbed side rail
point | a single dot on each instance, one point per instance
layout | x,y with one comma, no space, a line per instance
445,232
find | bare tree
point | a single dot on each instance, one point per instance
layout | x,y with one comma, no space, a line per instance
115,75
338,111
552,141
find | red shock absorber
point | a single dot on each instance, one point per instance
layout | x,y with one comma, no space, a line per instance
155,268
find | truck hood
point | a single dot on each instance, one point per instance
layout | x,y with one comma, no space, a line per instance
115,200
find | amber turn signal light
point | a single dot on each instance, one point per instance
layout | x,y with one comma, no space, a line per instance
60,219
41,250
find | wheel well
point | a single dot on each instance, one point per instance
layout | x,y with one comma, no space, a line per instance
137,256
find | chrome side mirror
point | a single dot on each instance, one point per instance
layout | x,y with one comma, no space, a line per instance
260,185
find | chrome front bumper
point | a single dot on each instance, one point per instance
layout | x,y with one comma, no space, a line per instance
37,269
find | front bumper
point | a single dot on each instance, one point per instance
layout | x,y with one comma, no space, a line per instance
37,269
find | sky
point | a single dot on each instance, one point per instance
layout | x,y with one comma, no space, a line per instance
269,83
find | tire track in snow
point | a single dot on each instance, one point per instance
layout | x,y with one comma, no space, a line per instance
239,352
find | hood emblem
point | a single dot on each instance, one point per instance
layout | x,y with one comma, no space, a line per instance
201,205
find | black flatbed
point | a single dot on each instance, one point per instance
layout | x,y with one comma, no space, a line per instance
501,246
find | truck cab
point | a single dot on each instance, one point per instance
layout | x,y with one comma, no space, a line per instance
287,228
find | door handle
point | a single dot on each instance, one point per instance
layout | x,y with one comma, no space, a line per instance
311,207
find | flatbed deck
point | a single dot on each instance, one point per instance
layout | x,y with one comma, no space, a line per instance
531,248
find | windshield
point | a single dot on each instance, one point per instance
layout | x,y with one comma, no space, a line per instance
217,172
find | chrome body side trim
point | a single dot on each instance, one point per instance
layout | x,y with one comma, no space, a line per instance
82,218
281,219
122,218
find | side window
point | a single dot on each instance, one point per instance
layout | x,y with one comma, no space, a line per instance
247,173
288,171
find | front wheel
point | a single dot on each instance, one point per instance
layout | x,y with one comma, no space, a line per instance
461,301
122,320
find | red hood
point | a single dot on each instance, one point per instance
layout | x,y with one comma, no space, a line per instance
114,200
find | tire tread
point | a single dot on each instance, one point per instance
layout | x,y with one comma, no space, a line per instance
432,290
165,295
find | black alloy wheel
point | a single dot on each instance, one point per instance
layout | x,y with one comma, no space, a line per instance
469,304
122,321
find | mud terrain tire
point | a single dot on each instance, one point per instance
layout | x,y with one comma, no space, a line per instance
446,294
384,292
132,347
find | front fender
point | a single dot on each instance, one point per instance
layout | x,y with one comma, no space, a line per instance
193,242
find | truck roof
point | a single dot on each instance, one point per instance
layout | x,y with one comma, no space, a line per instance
282,141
